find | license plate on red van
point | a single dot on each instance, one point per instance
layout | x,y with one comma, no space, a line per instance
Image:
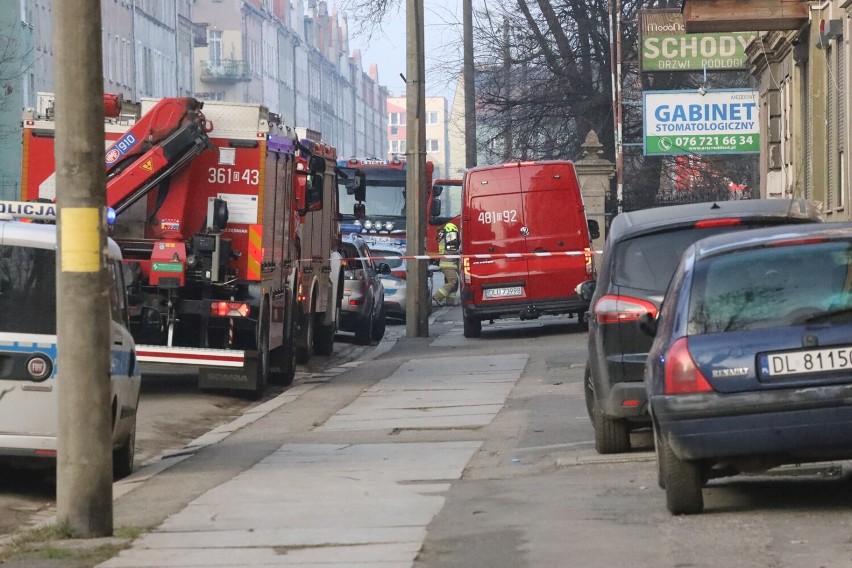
509,292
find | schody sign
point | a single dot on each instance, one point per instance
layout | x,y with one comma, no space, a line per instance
667,47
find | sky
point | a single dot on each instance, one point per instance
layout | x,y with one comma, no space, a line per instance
386,47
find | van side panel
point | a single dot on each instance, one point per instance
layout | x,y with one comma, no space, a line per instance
492,225
555,217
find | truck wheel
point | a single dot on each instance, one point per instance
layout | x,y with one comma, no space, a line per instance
324,337
262,370
612,435
305,352
683,483
282,360
364,329
379,325
661,460
472,326
122,458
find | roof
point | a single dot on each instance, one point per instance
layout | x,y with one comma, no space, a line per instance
728,242
630,224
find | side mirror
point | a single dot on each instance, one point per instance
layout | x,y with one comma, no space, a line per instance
437,190
314,192
316,164
359,210
383,268
594,229
435,208
360,191
586,290
151,322
647,324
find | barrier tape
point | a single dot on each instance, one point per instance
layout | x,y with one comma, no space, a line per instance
485,256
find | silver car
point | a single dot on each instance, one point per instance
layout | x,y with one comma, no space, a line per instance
394,282
362,308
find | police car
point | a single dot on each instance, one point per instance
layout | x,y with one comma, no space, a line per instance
29,409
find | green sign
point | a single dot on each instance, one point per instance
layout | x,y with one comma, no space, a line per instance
167,267
667,47
719,121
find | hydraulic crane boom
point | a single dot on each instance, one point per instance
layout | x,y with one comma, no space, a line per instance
160,144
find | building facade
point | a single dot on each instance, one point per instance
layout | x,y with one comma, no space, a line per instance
802,64
292,56
437,132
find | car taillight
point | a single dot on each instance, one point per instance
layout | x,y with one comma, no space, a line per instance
398,274
725,222
466,270
682,374
622,309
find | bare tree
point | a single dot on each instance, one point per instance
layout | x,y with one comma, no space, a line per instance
15,60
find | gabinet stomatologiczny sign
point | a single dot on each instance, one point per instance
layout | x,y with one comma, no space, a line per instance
667,47
719,121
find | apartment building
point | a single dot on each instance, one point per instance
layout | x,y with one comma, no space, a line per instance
437,132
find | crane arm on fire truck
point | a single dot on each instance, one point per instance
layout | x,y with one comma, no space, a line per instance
159,145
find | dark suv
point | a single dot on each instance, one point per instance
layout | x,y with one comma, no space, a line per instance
642,251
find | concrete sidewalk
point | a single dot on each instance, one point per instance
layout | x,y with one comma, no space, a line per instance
305,480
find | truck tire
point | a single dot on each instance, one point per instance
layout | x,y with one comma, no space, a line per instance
472,326
589,392
262,368
122,458
323,337
305,352
282,360
683,482
612,435
379,325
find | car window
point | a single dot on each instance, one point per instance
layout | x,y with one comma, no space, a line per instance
353,261
27,290
771,287
647,262
390,257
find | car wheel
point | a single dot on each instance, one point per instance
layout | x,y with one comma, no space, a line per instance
661,462
379,325
122,458
683,481
324,337
282,360
472,326
612,435
364,329
589,392
583,320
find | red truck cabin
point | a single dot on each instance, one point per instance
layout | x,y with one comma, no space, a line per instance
533,210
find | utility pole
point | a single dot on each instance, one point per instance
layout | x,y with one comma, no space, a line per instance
417,311
84,456
469,86
614,13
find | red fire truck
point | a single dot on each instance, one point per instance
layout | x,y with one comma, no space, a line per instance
209,219
379,215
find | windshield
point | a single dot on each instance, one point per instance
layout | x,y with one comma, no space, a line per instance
771,287
383,200
27,290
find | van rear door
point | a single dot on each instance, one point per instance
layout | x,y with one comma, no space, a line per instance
493,226
555,223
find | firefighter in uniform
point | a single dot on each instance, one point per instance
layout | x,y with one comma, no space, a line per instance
448,243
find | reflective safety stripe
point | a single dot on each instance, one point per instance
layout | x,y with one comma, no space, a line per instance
255,248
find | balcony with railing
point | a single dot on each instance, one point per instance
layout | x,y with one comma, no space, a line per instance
225,71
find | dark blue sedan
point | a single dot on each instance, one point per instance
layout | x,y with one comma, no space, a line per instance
751,366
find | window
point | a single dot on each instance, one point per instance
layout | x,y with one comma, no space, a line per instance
214,45
27,288
431,118
396,119
431,145
394,130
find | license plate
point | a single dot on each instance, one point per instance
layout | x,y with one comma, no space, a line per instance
504,292
805,362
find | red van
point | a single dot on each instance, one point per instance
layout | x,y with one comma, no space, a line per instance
527,222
